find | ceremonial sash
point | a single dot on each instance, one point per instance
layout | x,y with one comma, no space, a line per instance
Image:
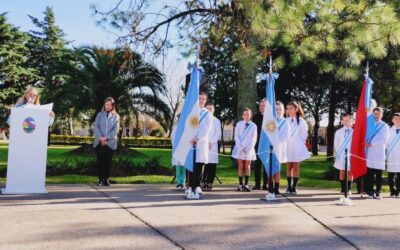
343,146
246,130
243,135
392,144
293,129
379,126
280,123
203,115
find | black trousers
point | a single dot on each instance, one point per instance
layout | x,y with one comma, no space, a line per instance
104,157
209,173
394,183
374,177
258,168
194,177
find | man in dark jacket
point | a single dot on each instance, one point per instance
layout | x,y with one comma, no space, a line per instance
258,166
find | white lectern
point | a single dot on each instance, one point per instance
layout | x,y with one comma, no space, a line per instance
27,152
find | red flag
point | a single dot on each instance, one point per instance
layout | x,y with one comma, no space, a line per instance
357,158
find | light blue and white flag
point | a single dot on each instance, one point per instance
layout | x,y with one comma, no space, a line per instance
270,132
188,123
370,105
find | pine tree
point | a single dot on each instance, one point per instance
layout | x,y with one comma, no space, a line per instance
15,75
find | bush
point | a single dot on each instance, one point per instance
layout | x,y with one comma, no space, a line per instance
158,132
147,142
121,166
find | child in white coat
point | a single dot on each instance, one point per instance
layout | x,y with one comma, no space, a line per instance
214,137
202,148
376,156
342,142
283,129
244,152
296,144
393,157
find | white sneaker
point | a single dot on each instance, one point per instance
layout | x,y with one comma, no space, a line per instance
196,196
378,196
239,188
198,190
188,190
270,197
189,196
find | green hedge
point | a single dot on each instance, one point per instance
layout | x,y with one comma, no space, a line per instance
148,142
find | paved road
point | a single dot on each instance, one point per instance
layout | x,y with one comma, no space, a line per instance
157,217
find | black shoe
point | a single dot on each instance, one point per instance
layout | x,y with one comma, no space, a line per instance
106,182
277,193
256,188
288,190
293,191
209,187
245,188
100,183
264,187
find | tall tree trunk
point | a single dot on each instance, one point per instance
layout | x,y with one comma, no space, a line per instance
70,124
331,120
247,88
315,135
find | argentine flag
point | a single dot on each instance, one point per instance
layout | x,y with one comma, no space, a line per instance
369,105
269,133
188,122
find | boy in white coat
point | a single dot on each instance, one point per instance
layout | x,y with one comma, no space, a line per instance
283,129
342,142
393,157
214,138
202,148
376,155
244,152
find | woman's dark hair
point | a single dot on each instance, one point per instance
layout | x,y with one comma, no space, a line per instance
299,110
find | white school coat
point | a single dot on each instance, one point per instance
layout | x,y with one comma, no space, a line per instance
283,137
340,136
214,138
296,149
393,159
244,147
203,134
376,154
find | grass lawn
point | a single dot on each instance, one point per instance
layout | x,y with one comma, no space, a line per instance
313,171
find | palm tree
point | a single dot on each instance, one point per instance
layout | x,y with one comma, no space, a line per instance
91,74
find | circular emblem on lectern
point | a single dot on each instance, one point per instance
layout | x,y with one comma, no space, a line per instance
29,125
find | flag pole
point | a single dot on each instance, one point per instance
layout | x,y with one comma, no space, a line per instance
362,177
270,196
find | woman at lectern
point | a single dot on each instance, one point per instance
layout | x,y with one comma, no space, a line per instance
106,128
31,96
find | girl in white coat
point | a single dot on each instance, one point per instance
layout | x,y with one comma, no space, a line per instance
376,156
342,142
296,145
393,157
283,129
244,152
